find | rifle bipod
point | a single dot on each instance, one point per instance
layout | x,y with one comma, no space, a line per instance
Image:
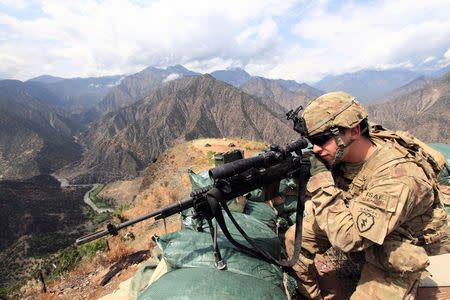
208,210
217,256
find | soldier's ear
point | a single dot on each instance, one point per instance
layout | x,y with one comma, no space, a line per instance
355,132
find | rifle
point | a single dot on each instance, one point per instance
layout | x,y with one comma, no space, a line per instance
230,180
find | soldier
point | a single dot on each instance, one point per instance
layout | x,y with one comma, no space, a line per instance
368,193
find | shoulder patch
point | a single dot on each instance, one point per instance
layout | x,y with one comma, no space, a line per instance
365,221
370,222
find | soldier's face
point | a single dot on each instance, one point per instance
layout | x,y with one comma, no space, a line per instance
327,151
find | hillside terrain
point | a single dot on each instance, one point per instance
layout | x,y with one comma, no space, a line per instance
37,218
35,137
405,89
424,112
133,88
38,205
367,85
164,182
120,145
275,92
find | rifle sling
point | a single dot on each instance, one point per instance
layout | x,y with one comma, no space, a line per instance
215,196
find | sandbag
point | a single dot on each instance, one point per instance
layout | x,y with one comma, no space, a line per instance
210,284
444,149
199,180
262,212
191,249
263,236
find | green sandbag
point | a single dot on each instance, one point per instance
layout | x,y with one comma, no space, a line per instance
263,236
210,284
262,212
199,180
189,249
287,185
445,150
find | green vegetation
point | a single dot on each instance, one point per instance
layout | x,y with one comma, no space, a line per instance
50,253
118,211
211,157
9,289
96,218
68,258
43,244
97,201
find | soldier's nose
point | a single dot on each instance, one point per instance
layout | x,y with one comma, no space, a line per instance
317,149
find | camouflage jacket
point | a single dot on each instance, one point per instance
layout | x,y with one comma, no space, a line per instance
386,200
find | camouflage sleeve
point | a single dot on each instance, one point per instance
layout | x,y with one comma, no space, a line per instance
331,213
388,201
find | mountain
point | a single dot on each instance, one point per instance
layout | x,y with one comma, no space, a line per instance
79,94
439,73
272,90
33,89
408,88
45,79
34,137
73,95
291,85
38,205
182,71
120,145
235,76
309,90
367,85
133,88
294,86
424,112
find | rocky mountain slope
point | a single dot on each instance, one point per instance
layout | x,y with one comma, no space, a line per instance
118,146
235,76
424,112
34,137
38,206
133,88
273,91
403,90
366,85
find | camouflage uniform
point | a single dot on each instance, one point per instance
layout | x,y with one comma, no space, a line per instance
387,206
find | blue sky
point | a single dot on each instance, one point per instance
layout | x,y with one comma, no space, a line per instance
290,39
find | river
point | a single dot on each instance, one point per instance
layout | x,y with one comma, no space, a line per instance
65,183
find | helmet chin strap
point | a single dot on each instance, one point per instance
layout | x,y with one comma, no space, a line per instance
341,146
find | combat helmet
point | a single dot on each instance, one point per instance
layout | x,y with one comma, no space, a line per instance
336,109
330,112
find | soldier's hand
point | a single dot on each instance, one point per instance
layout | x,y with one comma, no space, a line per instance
317,165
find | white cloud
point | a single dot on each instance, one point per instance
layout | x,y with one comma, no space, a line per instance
101,37
385,34
94,38
447,54
171,77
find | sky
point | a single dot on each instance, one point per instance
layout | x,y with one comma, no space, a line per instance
288,39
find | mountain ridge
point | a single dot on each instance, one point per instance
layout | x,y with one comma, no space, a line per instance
423,112
194,106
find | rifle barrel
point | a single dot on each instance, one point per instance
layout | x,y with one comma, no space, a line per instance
166,211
